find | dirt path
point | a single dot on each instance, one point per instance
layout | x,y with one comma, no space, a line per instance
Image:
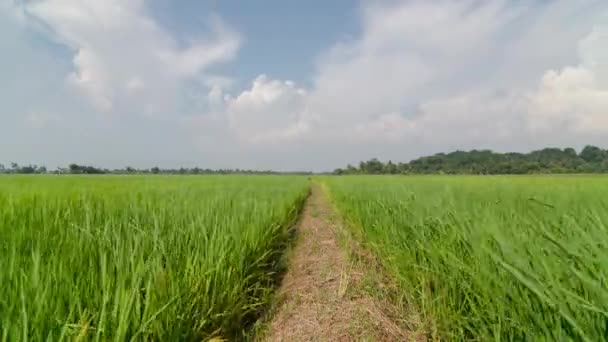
321,297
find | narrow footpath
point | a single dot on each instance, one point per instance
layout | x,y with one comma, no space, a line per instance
322,297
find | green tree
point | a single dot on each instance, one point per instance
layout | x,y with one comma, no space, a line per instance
547,160
592,154
351,170
390,168
372,166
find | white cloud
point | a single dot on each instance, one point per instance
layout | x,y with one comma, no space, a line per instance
389,127
362,89
472,118
594,53
409,53
421,77
446,74
575,99
123,58
218,81
270,112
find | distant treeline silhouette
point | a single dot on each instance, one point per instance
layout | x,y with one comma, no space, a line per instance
591,159
76,169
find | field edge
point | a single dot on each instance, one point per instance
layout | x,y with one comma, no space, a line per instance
379,282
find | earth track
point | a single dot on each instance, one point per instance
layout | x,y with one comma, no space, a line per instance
322,296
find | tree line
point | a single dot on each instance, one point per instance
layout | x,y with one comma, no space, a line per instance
591,159
76,169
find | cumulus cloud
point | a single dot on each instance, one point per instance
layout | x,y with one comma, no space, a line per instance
410,52
419,77
123,58
446,73
269,112
575,98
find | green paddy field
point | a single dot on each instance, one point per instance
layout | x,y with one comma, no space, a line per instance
196,257
490,257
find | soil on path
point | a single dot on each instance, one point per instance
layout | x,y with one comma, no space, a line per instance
321,297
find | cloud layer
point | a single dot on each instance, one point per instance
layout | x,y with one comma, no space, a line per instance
123,60
421,77
575,98
443,72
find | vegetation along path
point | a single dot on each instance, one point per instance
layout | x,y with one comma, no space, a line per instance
322,297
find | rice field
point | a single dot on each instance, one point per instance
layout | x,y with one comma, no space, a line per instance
118,258
172,258
489,258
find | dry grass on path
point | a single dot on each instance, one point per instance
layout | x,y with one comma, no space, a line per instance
322,297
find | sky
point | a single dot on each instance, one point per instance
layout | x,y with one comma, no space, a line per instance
296,85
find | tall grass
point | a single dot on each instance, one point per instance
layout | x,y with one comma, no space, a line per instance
140,258
490,258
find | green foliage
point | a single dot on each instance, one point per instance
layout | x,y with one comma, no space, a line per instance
76,169
592,154
549,160
490,258
140,258
27,169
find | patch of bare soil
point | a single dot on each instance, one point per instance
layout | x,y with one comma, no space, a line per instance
322,296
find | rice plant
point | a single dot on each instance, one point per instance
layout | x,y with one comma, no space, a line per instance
140,257
490,258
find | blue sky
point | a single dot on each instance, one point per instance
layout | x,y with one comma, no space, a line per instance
306,85
282,37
